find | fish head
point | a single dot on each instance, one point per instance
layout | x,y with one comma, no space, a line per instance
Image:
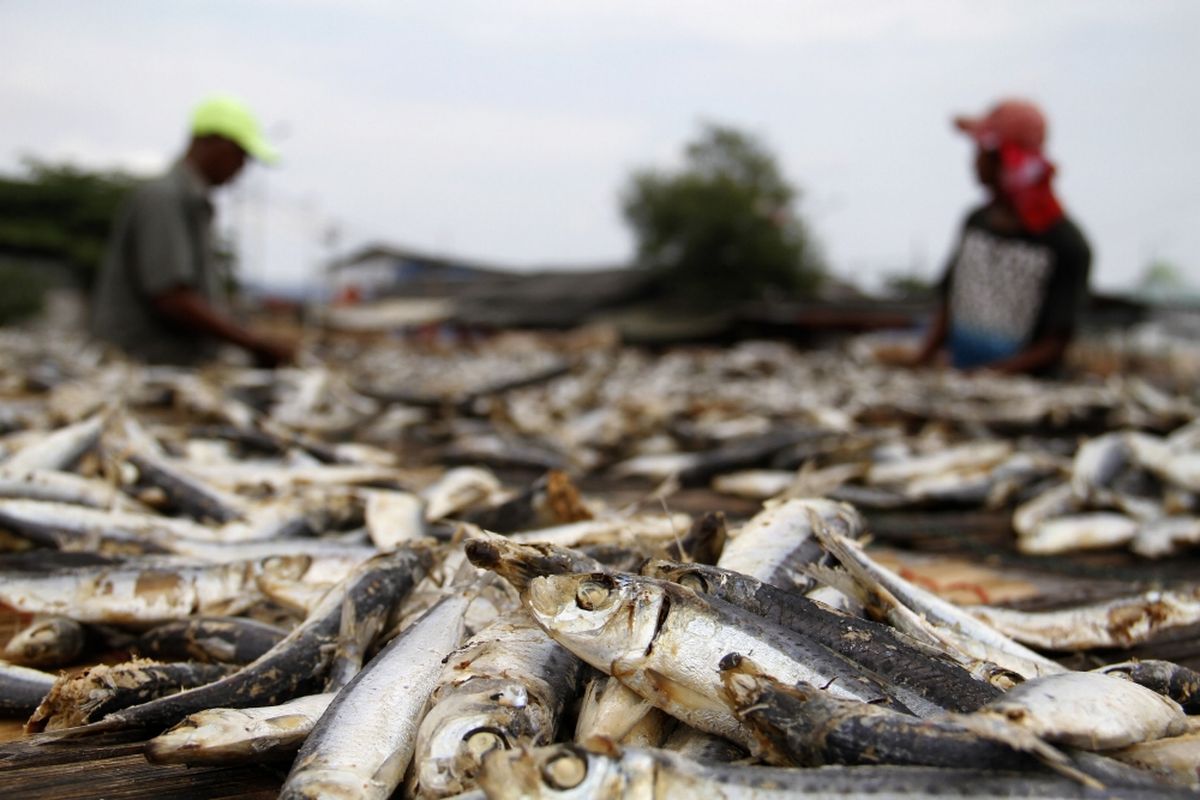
600,617
462,729
697,577
48,641
563,771
745,683
521,563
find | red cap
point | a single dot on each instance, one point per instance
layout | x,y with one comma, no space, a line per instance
1017,122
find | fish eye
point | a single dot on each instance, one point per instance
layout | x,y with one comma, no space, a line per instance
594,592
481,741
565,770
694,581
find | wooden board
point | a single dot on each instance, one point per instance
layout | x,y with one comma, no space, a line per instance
115,769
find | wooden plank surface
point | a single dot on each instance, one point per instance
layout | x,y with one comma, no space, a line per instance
85,771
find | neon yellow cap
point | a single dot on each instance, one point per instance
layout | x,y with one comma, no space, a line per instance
222,115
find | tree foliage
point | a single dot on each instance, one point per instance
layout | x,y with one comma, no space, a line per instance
722,229
60,213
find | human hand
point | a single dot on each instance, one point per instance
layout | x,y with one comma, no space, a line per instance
271,352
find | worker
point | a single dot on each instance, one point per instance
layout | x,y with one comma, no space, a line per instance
1012,292
160,294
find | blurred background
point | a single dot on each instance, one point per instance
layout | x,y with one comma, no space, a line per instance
507,136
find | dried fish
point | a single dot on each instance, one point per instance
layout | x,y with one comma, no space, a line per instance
294,665
228,640
458,490
143,595
803,726
50,486
1087,531
22,688
566,771
1175,757
777,544
57,450
1123,622
101,690
664,642
364,741
506,687
880,648
46,642
1089,710
1177,682
926,617
394,517
611,713
219,736
521,563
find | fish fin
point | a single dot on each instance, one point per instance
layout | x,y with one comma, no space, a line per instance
105,725
836,578
604,745
999,730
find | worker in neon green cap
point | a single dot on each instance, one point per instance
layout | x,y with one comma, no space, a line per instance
160,294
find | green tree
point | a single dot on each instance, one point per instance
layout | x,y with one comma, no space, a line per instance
1162,279
54,221
61,213
722,229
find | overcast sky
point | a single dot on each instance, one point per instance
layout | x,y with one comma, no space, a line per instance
504,130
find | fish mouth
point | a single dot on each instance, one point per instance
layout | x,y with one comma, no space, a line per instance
509,561
517,563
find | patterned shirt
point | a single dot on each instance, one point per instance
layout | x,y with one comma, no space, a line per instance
1007,289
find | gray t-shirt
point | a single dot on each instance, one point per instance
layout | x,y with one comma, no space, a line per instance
161,240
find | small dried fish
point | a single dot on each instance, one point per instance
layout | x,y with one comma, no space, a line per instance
1176,758
49,486
926,617
101,690
22,688
1177,682
777,544
1086,531
219,736
611,713
506,687
457,490
298,663
1123,622
664,642
46,642
394,517
803,726
1089,710
364,741
888,653
229,640
566,771
142,595
60,449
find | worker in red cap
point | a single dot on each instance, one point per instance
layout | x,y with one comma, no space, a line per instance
1015,283
160,295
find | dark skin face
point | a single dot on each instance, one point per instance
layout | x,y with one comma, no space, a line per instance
987,168
217,159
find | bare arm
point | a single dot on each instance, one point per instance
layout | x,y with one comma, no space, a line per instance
934,339
188,308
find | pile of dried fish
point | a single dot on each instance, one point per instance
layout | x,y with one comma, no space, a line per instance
264,579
